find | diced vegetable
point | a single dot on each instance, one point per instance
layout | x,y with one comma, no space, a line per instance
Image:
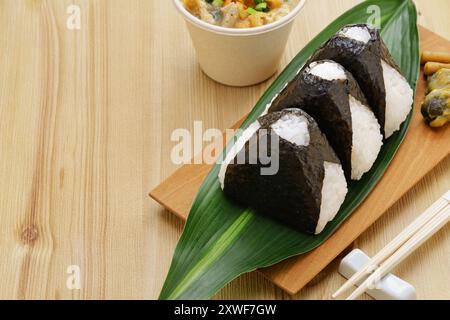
217,3
191,5
261,7
238,13
251,11
273,4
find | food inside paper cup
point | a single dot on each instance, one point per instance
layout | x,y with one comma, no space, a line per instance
240,13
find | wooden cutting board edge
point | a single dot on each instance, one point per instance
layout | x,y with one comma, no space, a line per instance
293,274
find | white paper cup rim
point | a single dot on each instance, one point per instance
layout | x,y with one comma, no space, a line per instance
238,31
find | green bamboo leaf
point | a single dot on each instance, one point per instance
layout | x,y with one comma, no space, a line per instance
221,241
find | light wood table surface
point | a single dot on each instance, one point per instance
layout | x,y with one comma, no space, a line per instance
85,122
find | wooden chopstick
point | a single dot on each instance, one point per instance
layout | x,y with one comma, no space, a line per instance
398,241
432,227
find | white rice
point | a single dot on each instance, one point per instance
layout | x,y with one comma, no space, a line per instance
334,190
327,70
399,99
239,144
356,33
367,139
293,129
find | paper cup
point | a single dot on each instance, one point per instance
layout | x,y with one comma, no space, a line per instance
239,57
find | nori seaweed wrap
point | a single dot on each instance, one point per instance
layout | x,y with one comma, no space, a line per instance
361,50
330,94
308,187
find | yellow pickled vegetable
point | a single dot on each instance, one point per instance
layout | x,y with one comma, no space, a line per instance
436,107
439,80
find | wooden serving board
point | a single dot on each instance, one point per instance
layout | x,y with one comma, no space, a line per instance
421,151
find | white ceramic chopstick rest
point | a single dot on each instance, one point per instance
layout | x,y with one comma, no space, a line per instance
390,287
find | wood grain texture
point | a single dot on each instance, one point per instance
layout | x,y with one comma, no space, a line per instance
85,121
